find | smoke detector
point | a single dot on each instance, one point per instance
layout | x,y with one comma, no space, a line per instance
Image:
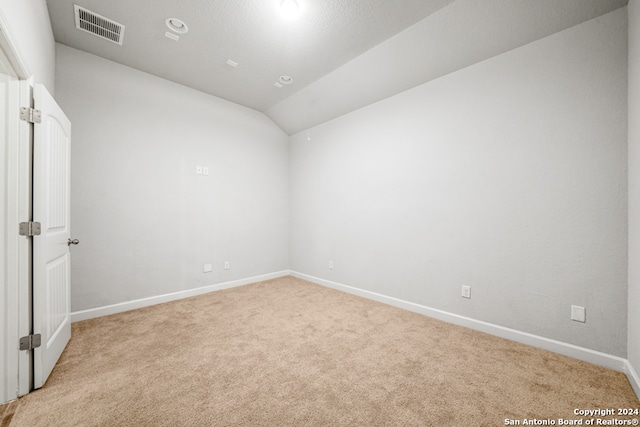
98,25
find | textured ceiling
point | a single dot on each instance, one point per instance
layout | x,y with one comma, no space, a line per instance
342,54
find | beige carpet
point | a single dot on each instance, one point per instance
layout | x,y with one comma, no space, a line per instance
6,413
290,353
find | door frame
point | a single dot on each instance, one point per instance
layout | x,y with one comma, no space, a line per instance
17,372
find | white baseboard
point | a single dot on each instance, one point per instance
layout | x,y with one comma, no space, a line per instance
145,302
580,353
634,379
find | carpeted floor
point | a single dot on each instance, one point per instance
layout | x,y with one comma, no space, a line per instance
286,352
6,413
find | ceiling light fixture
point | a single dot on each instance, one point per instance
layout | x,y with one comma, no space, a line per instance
176,25
289,9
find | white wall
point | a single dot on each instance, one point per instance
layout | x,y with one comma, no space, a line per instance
146,222
509,176
634,184
28,25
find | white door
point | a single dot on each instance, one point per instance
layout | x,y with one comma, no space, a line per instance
51,258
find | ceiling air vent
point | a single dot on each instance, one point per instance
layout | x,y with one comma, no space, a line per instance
98,25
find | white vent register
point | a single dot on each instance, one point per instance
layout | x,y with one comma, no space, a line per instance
98,25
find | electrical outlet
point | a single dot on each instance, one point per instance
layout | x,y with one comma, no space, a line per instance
227,265
330,265
205,170
578,313
466,291
207,268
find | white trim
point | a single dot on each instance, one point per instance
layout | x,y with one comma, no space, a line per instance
18,258
581,353
16,367
91,313
633,376
24,171
14,256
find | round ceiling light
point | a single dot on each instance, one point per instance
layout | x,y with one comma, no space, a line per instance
289,9
176,25
285,80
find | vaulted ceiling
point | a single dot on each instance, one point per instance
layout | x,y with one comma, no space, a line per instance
341,54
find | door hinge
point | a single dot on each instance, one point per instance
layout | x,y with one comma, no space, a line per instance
29,229
30,115
30,342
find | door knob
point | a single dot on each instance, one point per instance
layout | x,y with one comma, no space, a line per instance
73,242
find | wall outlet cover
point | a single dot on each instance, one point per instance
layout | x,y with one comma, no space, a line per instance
578,313
466,291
